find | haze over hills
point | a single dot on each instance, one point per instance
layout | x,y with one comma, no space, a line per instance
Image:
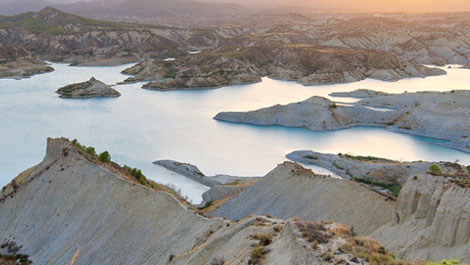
149,11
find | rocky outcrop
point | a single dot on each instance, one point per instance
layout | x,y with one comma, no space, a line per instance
431,220
293,191
18,63
187,170
442,115
372,168
73,207
90,89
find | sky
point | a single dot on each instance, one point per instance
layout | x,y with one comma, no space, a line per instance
369,5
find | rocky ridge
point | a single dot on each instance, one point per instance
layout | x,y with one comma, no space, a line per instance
306,64
106,217
293,191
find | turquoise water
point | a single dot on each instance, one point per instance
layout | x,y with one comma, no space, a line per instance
142,126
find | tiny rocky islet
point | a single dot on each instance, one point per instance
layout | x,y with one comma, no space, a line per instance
89,89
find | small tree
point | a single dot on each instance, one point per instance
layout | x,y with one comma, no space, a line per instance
90,150
105,157
435,169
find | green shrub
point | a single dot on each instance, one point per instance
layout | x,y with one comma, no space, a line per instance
137,173
311,157
207,205
90,150
446,262
105,157
333,106
434,169
363,158
468,168
394,188
277,229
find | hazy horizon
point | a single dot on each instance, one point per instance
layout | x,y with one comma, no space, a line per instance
327,5
362,5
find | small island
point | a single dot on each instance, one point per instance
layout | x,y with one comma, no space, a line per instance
90,89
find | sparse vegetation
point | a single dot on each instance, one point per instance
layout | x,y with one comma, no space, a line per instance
394,187
13,257
333,106
236,182
137,173
264,239
363,158
171,72
311,157
446,262
434,169
337,166
314,232
207,205
257,255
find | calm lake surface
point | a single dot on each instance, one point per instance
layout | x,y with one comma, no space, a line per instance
143,126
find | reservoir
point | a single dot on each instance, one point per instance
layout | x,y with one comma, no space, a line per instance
142,126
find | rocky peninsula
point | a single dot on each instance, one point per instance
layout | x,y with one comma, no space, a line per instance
221,186
308,65
442,115
90,89
383,175
18,63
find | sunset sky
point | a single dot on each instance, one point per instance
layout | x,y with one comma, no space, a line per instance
368,5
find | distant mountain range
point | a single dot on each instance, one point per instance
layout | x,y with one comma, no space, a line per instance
158,11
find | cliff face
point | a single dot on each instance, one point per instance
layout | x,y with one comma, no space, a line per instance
431,220
292,191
